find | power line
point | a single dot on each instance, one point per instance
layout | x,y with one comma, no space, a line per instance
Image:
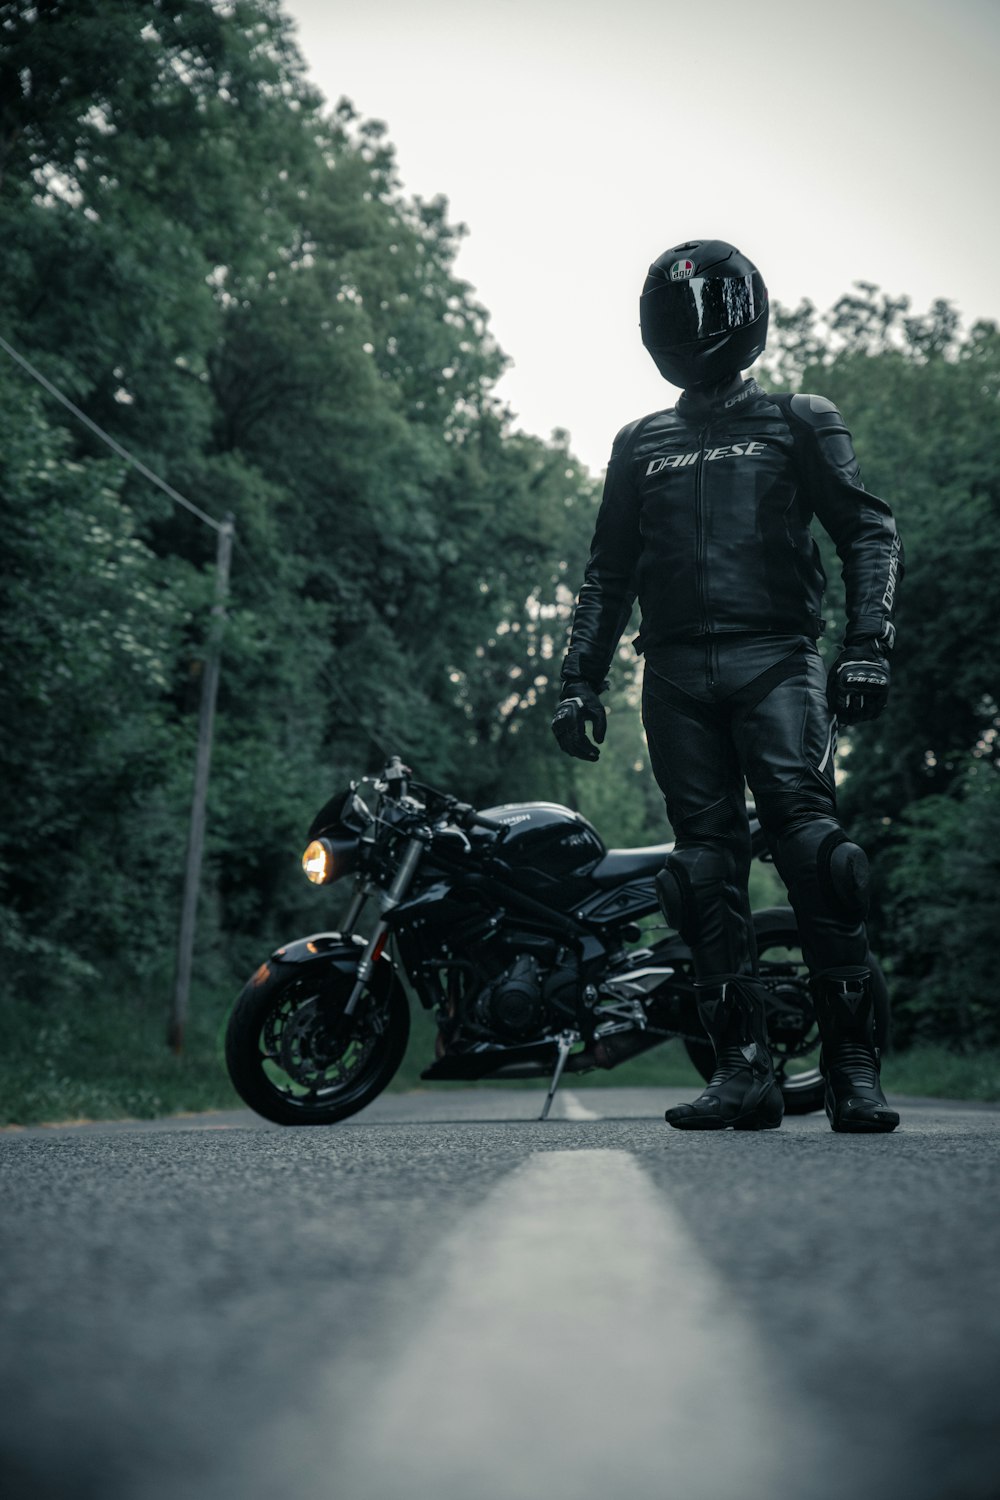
106,437
180,499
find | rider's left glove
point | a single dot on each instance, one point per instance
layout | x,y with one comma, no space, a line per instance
580,705
858,684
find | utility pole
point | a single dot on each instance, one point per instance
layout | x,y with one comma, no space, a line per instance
196,834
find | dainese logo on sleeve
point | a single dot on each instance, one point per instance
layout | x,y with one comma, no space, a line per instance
681,270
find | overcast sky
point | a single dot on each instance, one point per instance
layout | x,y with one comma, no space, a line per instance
577,139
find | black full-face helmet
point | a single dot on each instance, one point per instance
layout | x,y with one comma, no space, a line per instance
703,312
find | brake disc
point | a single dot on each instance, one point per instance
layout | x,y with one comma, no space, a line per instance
306,1047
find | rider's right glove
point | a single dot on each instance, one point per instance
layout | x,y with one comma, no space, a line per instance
580,705
858,684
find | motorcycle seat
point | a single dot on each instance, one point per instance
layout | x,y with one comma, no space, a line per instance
619,865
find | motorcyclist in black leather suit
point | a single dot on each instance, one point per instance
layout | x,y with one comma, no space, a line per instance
705,516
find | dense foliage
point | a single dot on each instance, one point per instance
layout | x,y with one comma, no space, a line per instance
226,274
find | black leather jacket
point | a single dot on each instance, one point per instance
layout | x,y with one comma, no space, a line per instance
706,515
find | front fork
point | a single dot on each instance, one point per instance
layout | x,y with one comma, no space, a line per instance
390,899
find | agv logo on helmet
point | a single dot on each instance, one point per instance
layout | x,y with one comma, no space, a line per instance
704,320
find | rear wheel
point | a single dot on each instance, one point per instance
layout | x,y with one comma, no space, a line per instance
791,1019
292,1060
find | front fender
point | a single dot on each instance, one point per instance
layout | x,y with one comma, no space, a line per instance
326,951
342,951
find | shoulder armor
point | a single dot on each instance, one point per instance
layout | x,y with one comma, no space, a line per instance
625,438
816,411
624,433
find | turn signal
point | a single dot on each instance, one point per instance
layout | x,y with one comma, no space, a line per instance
317,862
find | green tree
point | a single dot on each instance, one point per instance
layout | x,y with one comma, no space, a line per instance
228,277
942,879
90,622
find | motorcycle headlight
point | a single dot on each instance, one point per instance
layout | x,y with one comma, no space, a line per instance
318,862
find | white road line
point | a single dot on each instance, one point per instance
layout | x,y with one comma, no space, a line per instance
572,1109
580,1348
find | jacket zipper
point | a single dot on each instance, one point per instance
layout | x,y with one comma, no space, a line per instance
699,522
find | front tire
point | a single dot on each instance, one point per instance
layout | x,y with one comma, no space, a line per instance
286,1058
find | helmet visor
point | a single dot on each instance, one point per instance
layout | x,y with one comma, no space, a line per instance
684,312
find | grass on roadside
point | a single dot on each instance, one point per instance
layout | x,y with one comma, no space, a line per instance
108,1061
937,1073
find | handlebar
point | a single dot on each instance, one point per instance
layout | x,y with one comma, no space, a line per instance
479,820
398,775
466,816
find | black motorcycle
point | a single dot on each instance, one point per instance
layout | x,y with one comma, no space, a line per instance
518,928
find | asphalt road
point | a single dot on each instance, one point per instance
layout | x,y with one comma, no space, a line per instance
444,1298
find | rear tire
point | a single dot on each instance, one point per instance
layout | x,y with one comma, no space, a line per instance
791,1019
289,1066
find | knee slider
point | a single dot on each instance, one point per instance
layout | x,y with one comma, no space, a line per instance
685,874
820,851
844,874
673,887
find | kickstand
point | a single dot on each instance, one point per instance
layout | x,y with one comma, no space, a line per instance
565,1041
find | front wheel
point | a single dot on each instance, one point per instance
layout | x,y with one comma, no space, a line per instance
791,1020
292,1062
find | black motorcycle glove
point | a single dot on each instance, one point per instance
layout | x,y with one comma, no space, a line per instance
858,684
580,705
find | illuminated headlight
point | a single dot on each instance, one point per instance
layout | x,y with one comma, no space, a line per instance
317,862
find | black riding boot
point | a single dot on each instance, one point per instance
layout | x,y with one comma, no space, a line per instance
850,1059
742,1091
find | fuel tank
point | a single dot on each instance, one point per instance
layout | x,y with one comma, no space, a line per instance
548,851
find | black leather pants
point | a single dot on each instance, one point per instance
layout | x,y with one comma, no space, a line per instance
727,709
